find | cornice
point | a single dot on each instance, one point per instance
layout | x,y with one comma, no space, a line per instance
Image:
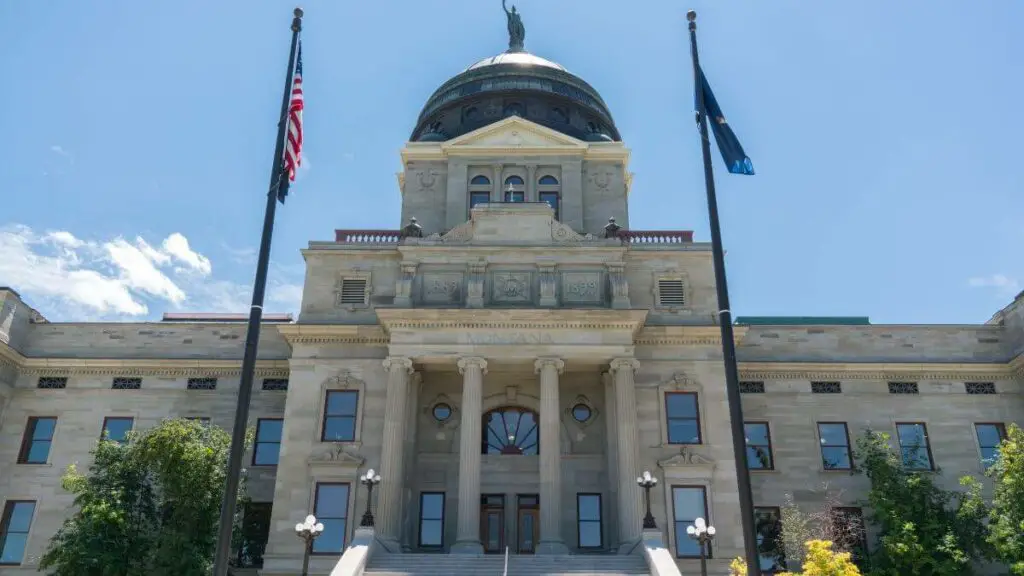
512,319
9,357
826,371
1017,365
686,335
333,334
149,367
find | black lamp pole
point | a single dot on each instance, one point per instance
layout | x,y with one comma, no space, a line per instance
370,479
647,482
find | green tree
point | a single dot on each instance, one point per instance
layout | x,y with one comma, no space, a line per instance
149,506
820,560
1006,524
924,530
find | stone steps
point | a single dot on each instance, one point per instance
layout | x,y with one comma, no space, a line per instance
494,565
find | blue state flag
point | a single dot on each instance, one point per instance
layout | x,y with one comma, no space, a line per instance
736,160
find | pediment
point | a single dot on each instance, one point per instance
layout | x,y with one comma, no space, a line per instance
687,459
515,132
336,455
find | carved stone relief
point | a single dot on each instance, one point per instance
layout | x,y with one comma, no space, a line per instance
336,454
511,287
427,179
582,288
442,288
343,380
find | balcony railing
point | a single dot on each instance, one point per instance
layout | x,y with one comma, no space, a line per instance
644,237
656,236
367,236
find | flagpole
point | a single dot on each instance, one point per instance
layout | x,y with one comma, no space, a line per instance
252,335
732,384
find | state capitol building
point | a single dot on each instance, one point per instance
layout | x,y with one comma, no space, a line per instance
509,358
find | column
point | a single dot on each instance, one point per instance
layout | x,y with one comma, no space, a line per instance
550,458
531,183
612,446
467,540
392,456
625,415
498,193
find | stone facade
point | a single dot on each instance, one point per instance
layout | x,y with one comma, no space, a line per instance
505,306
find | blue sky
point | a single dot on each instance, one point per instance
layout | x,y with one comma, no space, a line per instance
885,135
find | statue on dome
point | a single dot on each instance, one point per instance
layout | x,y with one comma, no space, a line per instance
516,30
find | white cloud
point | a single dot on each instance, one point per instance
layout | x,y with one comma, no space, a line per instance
1001,283
69,278
58,149
177,246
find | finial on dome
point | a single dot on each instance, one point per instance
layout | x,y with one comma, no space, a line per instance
516,30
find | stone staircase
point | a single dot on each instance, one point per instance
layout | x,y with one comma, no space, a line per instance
383,564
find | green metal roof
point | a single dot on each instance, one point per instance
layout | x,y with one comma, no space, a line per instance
803,320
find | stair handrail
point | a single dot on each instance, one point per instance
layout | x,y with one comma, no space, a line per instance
505,572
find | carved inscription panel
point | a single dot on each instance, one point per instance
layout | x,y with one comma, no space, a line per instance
512,287
442,288
582,288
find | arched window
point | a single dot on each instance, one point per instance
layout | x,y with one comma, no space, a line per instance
479,190
548,191
510,430
515,189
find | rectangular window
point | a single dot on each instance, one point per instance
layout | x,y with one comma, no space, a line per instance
35,446
479,198
340,416
116,429
989,437
759,446
850,534
688,504
913,439
255,533
268,442
431,519
552,199
588,520
768,523
835,445
682,417
514,196
330,506
14,525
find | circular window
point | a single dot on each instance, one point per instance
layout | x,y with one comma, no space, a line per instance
442,412
581,412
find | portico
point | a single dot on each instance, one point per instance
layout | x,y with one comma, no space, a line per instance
523,355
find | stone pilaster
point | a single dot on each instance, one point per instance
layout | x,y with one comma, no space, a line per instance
531,183
498,193
619,285
403,287
550,458
392,457
475,285
548,290
612,447
467,540
625,415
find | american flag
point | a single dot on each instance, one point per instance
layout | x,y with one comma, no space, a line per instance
293,147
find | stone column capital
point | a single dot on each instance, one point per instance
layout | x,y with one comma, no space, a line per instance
557,363
625,363
477,361
398,363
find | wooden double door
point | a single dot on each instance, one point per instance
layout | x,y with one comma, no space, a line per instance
493,524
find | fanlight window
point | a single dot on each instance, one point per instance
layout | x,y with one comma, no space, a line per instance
510,430
480,181
515,189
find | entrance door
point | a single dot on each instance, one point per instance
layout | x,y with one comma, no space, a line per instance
527,523
492,523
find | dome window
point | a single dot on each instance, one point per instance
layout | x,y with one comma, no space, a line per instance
515,109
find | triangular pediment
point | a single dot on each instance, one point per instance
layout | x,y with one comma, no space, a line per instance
515,132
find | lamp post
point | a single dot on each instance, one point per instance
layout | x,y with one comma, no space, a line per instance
308,531
703,534
370,479
647,482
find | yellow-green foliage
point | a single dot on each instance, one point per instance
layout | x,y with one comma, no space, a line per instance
820,561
